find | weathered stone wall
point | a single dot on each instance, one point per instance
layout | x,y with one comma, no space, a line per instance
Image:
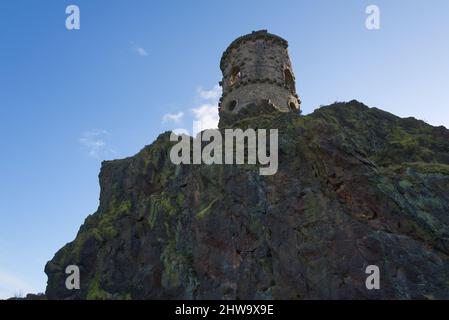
254,68
253,92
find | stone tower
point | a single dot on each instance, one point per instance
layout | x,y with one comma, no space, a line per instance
257,67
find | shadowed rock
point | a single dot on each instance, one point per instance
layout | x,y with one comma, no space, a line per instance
355,187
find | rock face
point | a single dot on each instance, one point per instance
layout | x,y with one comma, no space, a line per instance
355,187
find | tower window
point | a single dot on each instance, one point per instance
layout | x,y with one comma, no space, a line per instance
235,75
232,105
292,106
288,78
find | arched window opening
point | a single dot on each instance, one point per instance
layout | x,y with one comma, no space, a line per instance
232,105
235,75
292,106
289,80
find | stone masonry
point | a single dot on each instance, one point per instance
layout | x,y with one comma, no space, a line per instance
256,67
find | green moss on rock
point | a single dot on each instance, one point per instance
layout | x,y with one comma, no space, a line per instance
95,292
355,186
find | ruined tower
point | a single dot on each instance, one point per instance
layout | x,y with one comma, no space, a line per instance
257,67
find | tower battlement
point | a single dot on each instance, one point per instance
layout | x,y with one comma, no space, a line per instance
257,67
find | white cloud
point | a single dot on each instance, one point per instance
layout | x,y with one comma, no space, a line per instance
95,143
181,131
206,117
141,52
175,117
206,114
212,94
139,49
11,285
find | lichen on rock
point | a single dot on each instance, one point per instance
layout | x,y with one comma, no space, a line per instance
356,186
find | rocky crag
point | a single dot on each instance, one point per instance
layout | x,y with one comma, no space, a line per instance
356,186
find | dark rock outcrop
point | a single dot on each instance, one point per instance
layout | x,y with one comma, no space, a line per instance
31,296
355,187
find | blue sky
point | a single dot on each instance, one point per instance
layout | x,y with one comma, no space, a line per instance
70,99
